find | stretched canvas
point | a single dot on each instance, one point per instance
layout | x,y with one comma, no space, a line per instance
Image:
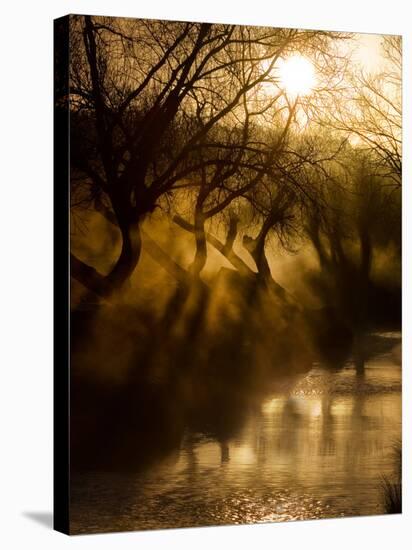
227,274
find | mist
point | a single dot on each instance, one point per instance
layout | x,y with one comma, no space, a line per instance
235,245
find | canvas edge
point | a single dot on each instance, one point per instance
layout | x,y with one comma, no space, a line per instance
61,280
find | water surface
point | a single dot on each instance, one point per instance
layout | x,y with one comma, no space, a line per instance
316,447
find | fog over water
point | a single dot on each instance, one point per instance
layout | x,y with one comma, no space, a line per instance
316,447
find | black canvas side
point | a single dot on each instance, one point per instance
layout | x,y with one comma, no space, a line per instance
61,276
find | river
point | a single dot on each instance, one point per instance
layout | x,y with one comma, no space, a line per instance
316,447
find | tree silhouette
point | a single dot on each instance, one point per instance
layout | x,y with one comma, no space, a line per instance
146,97
371,109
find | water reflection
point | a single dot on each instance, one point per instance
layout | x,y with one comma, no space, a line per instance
315,449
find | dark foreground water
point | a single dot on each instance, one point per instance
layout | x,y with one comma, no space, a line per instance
317,447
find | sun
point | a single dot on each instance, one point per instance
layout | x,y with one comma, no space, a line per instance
297,75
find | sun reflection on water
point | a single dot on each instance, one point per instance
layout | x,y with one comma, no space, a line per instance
317,450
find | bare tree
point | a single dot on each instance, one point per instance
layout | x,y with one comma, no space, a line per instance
145,96
370,109
244,158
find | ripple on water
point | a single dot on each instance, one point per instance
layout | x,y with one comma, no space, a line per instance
318,449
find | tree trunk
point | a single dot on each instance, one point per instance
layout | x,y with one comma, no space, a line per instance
223,248
366,253
88,276
262,264
129,255
106,286
313,232
256,248
199,261
150,246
